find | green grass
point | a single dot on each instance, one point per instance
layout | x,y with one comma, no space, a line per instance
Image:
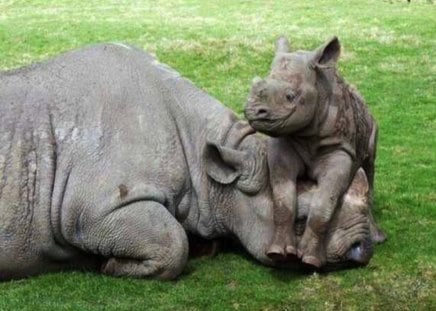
389,53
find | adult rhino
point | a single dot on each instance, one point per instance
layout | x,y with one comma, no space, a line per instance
105,152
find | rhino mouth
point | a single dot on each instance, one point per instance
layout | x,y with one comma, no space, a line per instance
269,126
358,255
356,252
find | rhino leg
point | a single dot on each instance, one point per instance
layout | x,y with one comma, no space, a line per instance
333,173
368,166
140,240
285,166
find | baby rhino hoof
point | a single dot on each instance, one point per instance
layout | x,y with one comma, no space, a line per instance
312,261
276,253
281,253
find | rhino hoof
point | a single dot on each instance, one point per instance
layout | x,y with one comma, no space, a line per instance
276,253
299,254
312,261
291,253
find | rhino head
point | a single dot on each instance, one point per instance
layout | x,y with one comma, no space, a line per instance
348,239
296,90
240,195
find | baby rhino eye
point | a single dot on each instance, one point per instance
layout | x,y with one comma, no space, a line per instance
290,97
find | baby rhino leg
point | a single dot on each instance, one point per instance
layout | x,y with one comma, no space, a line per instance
333,173
285,165
139,240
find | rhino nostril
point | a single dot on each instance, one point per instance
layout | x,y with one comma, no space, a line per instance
261,112
359,253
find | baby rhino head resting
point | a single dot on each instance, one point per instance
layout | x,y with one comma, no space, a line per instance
296,90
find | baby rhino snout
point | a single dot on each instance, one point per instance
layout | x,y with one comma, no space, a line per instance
261,112
256,112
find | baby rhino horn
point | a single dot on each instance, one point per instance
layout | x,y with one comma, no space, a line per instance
258,86
256,80
282,45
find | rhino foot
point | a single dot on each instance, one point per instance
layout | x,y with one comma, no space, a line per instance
311,250
282,249
312,261
133,244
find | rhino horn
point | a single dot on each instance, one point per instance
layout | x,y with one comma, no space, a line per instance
282,45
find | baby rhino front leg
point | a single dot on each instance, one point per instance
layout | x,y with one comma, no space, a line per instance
332,172
139,240
285,166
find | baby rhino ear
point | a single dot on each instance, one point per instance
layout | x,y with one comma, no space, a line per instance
328,54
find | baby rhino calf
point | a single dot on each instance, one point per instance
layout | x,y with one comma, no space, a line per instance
325,132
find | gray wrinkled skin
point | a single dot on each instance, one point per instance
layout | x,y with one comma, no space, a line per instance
107,158
348,239
325,132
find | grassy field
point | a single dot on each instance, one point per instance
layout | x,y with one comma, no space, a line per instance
389,53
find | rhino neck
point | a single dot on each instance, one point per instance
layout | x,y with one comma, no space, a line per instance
197,117
325,85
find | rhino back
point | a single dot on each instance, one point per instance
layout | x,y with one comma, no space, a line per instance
78,132
354,122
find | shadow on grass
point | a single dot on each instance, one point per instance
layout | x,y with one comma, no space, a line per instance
287,272
209,248
198,248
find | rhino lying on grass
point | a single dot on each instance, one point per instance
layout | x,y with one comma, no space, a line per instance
104,152
348,238
326,132
108,158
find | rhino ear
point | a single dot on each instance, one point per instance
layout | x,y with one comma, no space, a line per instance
360,185
328,54
282,45
223,164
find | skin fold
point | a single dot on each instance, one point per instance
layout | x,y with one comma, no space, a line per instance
109,158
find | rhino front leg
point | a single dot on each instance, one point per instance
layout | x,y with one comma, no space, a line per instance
284,166
139,240
333,173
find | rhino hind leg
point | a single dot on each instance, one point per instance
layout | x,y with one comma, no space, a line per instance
139,240
333,173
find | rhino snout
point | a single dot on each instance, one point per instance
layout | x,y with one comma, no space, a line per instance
257,112
360,253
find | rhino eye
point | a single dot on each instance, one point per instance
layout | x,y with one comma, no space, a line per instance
290,97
